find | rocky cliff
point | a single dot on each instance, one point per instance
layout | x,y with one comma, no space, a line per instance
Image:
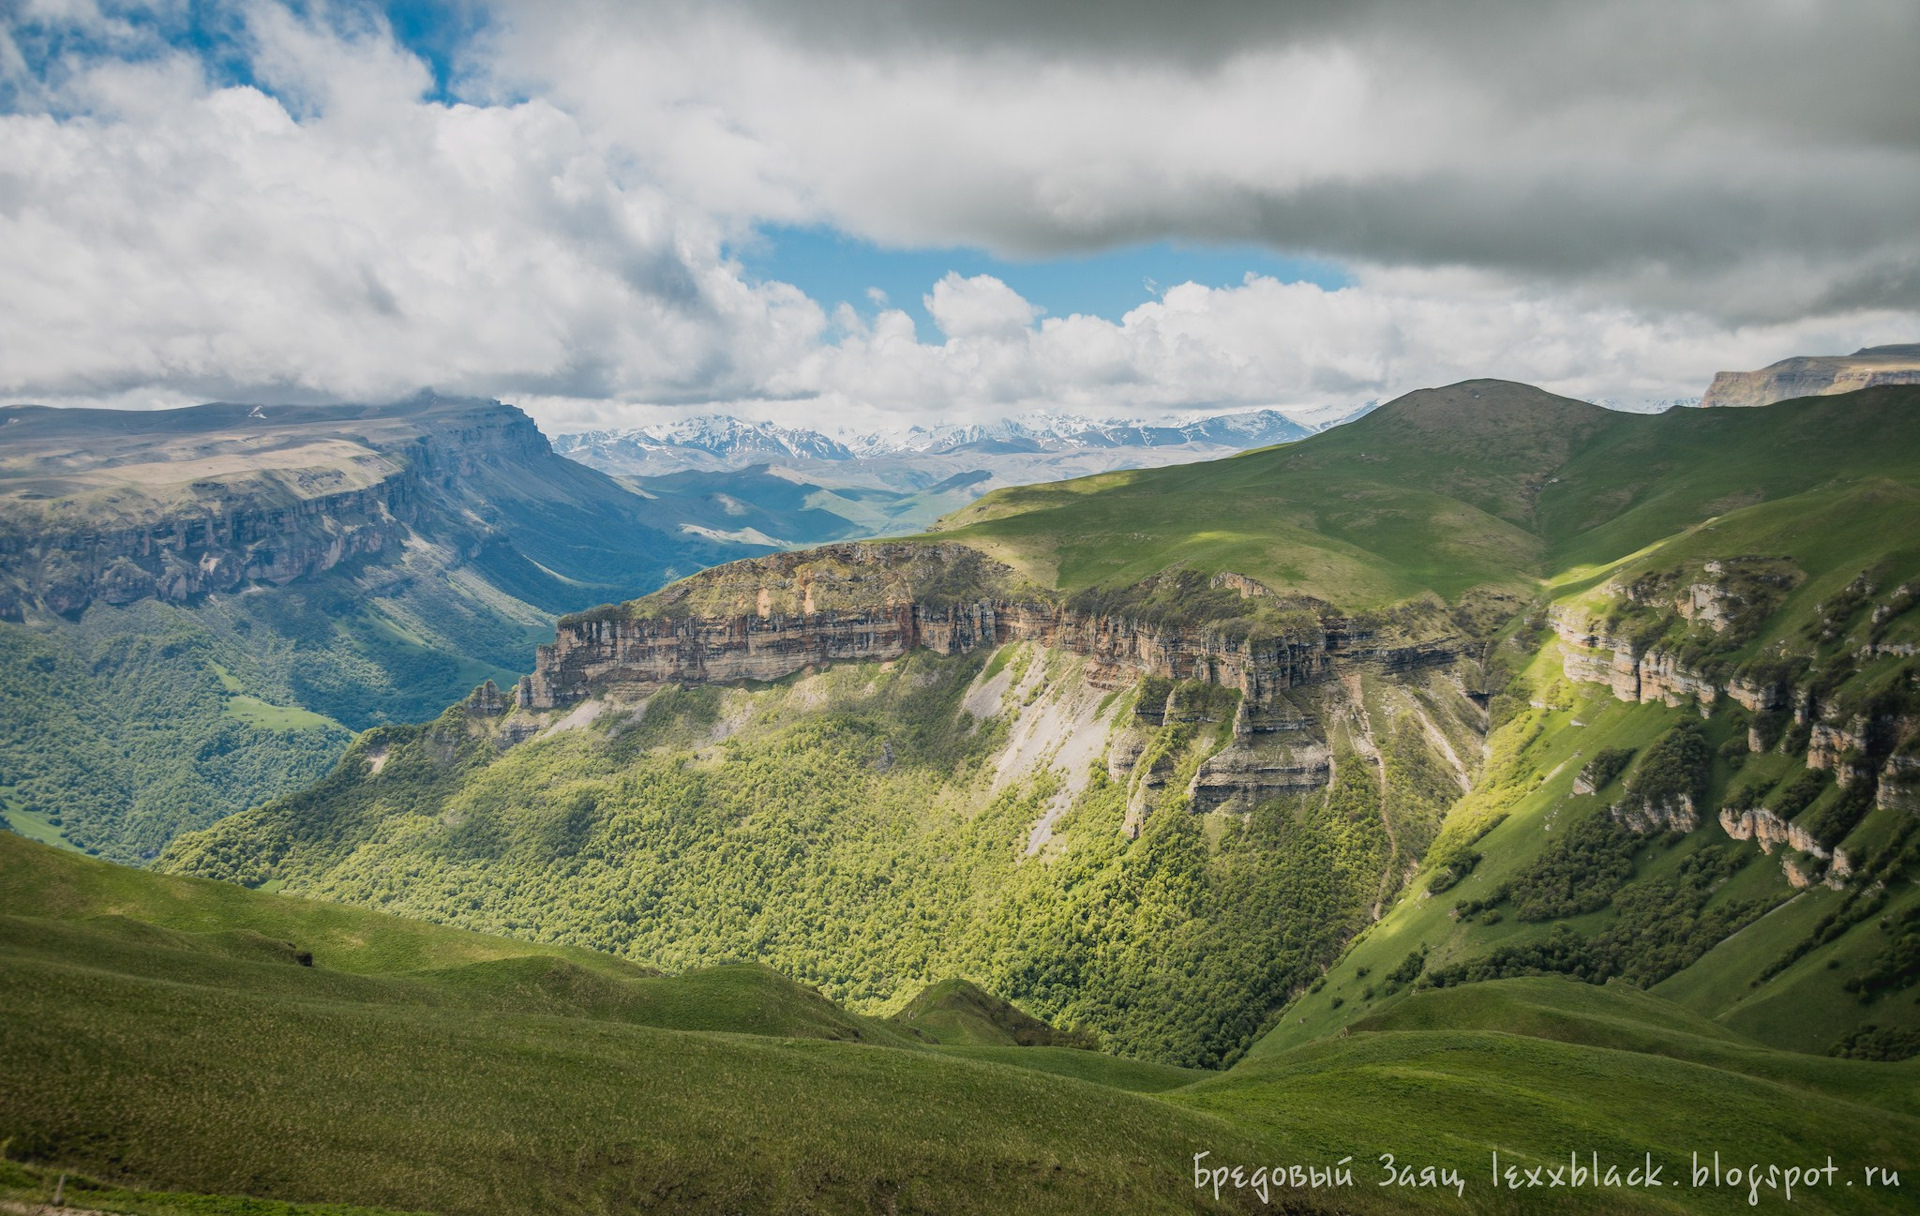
100,505
1816,375
764,619
1794,706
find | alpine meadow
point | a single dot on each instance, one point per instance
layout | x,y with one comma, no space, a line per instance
961,609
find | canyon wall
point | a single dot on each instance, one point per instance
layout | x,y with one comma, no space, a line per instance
633,654
262,524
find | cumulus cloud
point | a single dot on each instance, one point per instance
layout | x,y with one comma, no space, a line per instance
1312,351
339,236
1758,161
1536,191
979,307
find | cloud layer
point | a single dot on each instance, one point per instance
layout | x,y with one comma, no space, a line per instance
1541,192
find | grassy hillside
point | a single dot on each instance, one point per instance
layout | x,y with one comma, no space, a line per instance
1483,482
870,829
166,1042
1536,875
960,1013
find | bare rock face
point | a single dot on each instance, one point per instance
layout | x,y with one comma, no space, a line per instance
1835,746
1769,830
1816,375
488,701
218,498
1240,776
1900,783
767,618
1801,870
1676,813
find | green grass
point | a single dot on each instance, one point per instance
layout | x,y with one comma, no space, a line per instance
1454,1097
35,826
1137,1076
189,1064
255,712
958,1012
209,1060
41,884
28,1185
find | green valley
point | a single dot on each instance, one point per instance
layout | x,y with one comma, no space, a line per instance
1144,753
1493,775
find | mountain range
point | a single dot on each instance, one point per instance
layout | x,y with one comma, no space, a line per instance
1492,778
720,441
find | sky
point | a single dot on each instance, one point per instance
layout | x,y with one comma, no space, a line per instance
856,213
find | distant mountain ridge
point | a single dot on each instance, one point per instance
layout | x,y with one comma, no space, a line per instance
1817,375
720,441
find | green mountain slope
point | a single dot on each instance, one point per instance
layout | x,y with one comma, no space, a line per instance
1218,721
164,1035
198,606
867,829
959,1012
1442,490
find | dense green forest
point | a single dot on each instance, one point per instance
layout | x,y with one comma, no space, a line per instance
850,829
141,721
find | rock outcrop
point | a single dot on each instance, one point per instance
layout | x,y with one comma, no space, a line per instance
278,499
1675,813
1816,375
1806,859
633,653
1243,774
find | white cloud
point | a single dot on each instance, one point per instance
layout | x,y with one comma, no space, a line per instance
178,234
1313,352
979,307
1604,230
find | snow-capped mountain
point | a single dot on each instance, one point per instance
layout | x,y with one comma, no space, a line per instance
719,441
715,441
762,483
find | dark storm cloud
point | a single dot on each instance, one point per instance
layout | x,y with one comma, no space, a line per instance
1664,151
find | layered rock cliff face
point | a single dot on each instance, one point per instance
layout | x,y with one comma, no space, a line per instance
1816,375
185,555
215,506
1762,825
878,601
1872,742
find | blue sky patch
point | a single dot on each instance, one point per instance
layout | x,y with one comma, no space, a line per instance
832,267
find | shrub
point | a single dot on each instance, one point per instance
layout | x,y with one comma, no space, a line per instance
1606,765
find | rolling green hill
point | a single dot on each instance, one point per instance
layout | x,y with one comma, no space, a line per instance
959,1012
167,1041
1484,482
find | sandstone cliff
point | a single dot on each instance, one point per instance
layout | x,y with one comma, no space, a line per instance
1817,375
767,618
